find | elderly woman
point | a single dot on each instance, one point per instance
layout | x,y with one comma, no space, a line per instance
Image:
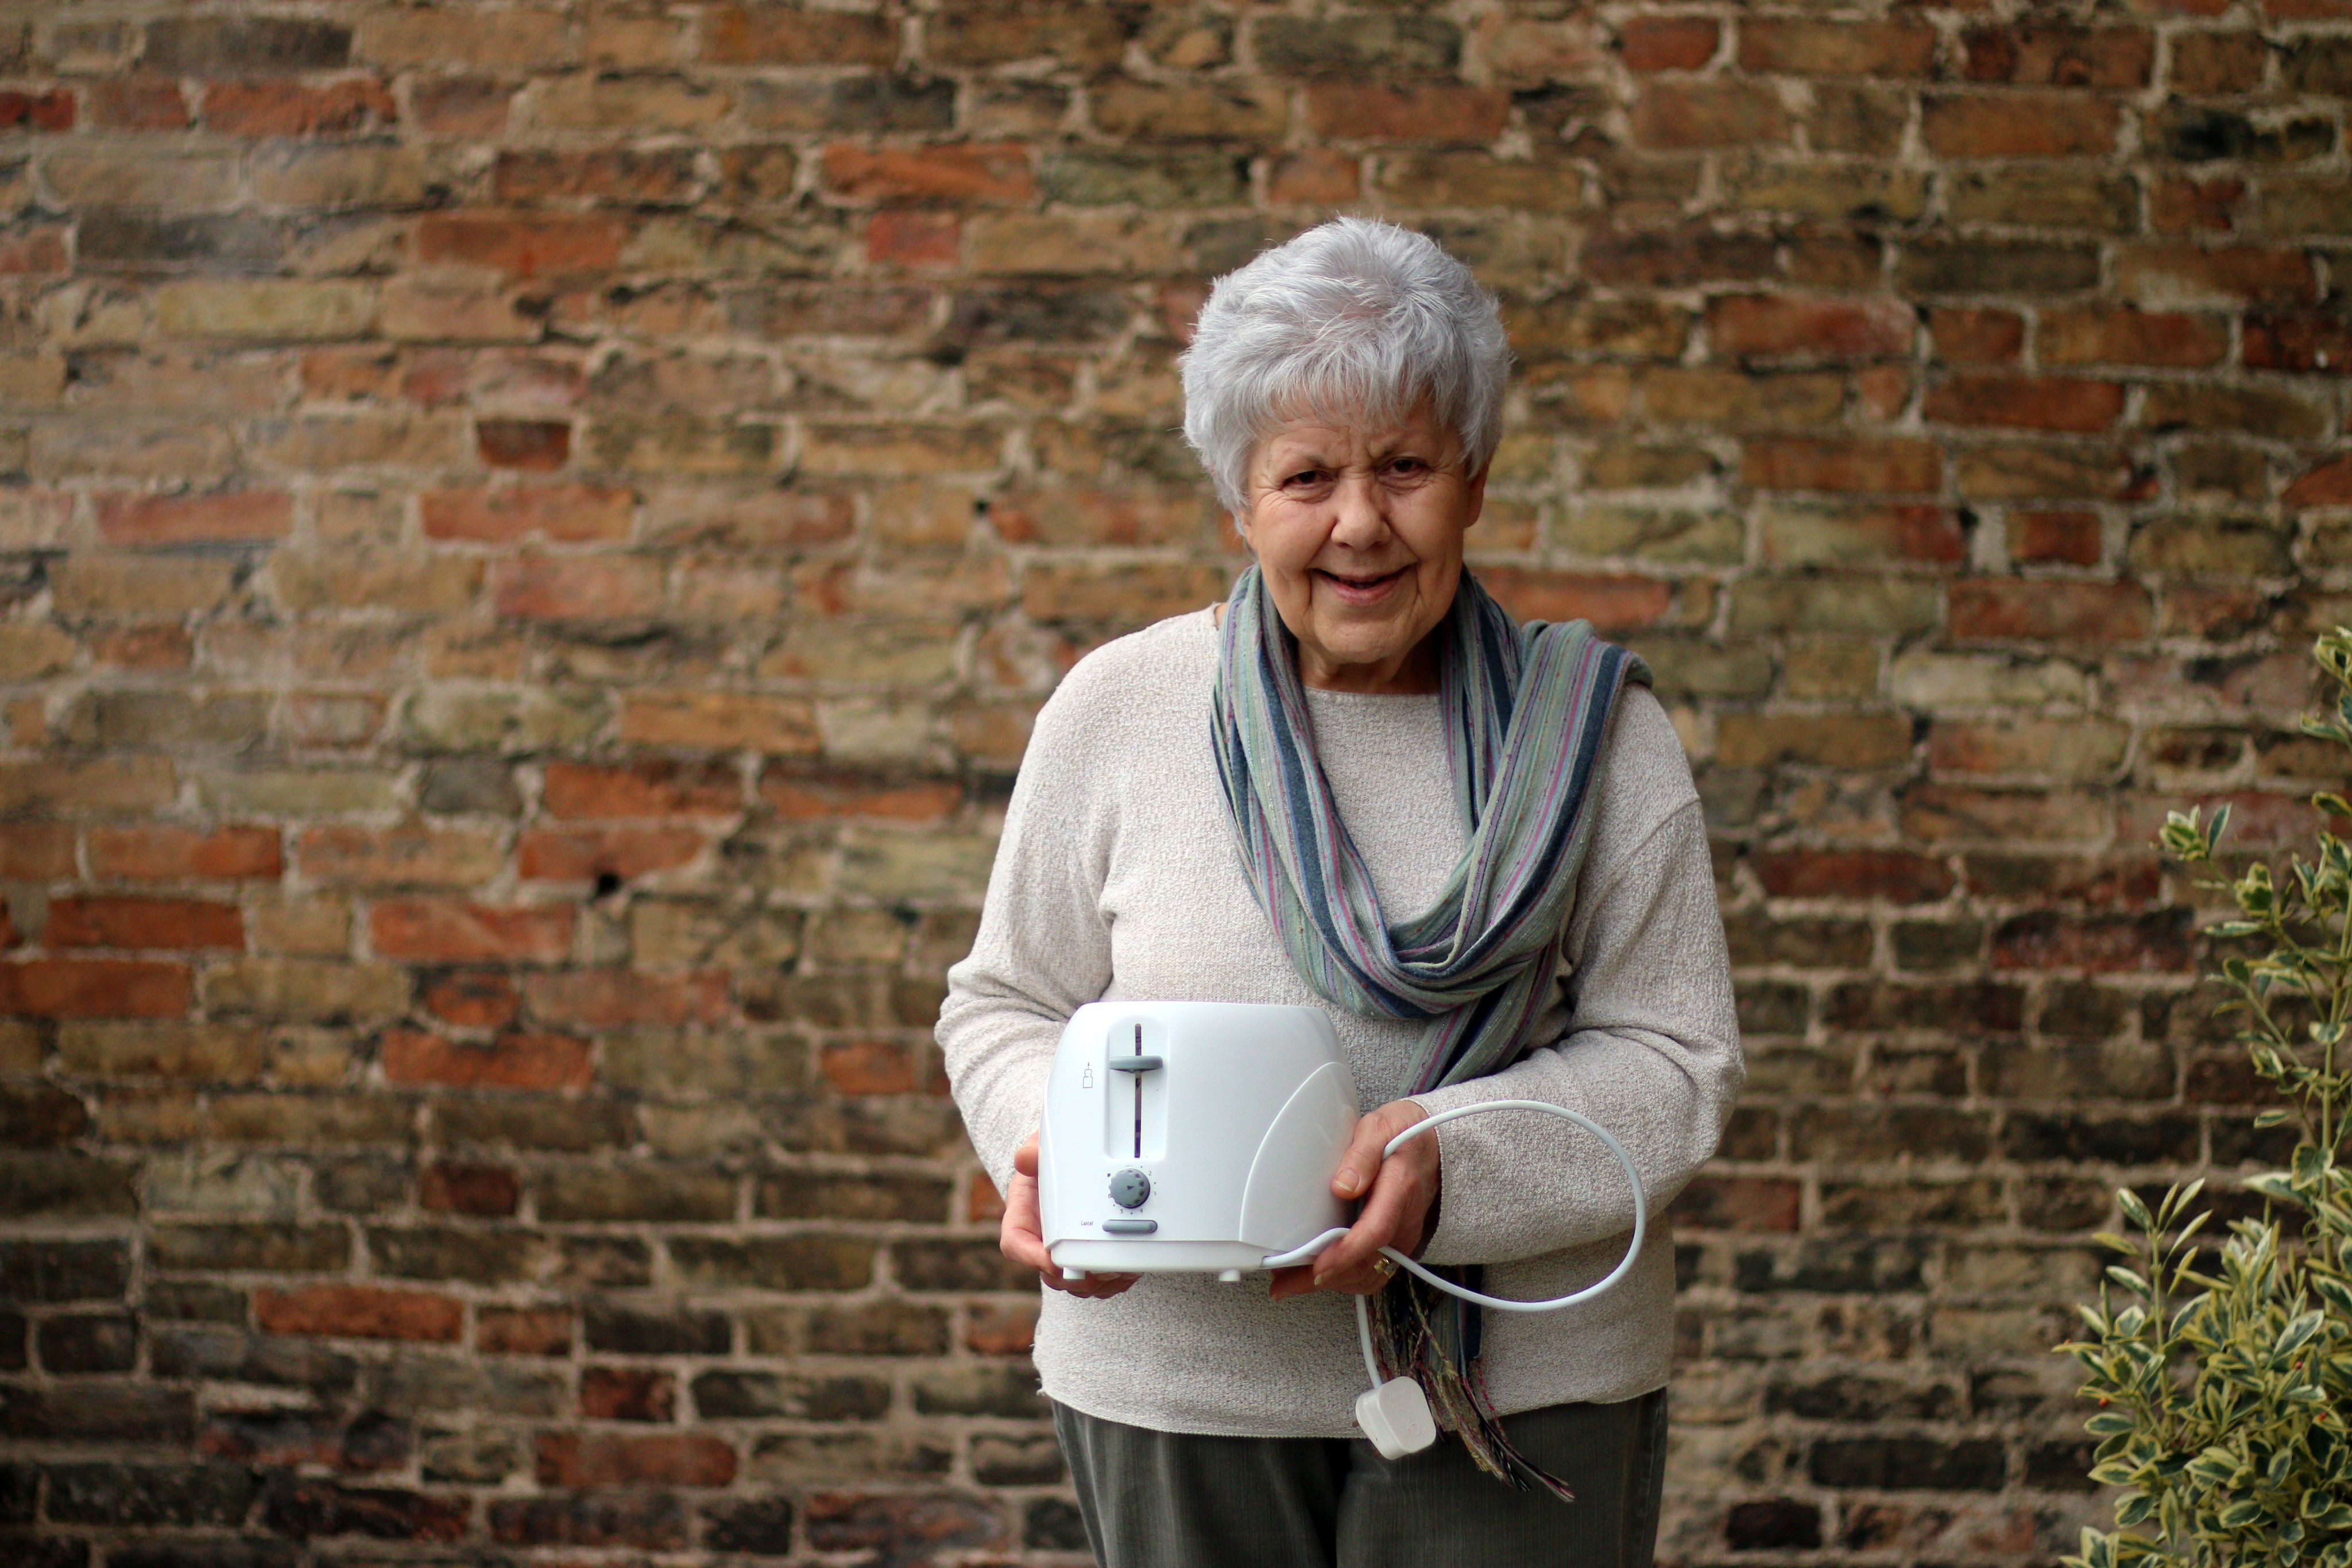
1509,896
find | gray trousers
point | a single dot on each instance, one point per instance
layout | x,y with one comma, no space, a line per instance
1175,1499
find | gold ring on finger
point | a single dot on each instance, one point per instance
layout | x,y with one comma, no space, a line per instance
1383,1267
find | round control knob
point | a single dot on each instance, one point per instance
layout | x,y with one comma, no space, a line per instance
1129,1188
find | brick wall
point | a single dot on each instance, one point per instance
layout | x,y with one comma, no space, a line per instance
532,536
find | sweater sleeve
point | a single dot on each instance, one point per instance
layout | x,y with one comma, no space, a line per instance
1043,949
1652,1046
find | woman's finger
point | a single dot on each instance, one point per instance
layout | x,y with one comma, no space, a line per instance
1360,1165
1374,1229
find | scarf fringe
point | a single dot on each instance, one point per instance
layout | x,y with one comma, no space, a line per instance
1419,1331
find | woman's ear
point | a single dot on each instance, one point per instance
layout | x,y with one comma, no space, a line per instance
1477,502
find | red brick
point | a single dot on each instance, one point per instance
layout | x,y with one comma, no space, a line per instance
39,851
2058,55
136,103
627,1393
868,1067
566,514
577,588
50,111
924,241
2298,342
1827,328
969,171
142,648
1964,337
293,108
616,999
1739,1203
2018,610
1669,43
2329,485
1891,467
1836,48
1310,177
543,445
651,787
460,106
584,854
2109,944
488,1190
991,1329
1892,875
2017,125
95,988
983,1205
2179,205
525,244
1720,112
2064,539
523,1330
816,796
579,1461
797,36
35,250
2130,338
1425,111
170,854
509,1061
96,920
2026,403
359,1311
223,518
473,998
460,931
1610,601
604,176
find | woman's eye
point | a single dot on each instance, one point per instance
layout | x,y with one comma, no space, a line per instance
1305,476
1407,465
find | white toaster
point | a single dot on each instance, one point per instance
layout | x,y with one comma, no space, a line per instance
1191,1137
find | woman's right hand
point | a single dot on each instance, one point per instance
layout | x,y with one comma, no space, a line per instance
1021,1237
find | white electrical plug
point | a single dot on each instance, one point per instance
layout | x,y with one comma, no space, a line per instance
1395,1417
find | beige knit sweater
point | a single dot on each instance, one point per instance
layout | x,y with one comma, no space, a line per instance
1117,877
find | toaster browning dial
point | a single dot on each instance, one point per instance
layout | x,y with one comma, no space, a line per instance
1129,1188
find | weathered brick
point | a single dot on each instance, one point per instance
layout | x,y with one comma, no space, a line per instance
2017,125
583,1459
1774,324
1887,467
98,921
2049,610
1836,48
1671,115
2026,403
512,1061
222,44
359,1310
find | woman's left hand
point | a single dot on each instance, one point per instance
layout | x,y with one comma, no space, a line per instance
1402,1187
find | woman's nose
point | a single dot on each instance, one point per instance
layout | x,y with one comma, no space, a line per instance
1360,518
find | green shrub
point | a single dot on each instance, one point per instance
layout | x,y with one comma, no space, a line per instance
2223,1383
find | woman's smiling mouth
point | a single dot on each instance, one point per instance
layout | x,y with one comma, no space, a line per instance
1363,590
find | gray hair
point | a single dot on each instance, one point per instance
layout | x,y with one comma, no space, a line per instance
1354,319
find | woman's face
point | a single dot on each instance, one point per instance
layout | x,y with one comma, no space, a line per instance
1358,533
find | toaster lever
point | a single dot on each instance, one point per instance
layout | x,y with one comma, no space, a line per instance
1135,1064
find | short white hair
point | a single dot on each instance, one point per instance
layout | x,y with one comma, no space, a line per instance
1355,319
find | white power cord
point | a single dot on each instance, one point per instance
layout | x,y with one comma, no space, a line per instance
1395,1414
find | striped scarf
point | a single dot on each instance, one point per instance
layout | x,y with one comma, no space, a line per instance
1525,709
